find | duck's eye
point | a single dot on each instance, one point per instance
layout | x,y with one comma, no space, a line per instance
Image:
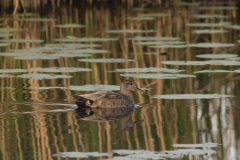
128,83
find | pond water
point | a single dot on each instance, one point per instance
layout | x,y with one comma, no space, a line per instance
186,57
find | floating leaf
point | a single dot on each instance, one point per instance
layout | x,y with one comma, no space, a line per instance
95,39
130,31
208,16
213,71
235,27
8,30
72,46
66,54
151,69
190,4
217,56
124,152
220,24
153,38
36,57
105,60
191,96
154,14
140,18
85,51
38,19
69,26
80,154
209,31
5,76
4,44
217,8
201,145
158,76
1,88
13,70
161,43
60,69
211,45
170,46
43,76
96,87
22,40
186,152
3,35
201,63
152,156
45,88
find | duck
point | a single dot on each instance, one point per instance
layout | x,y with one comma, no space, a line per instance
109,99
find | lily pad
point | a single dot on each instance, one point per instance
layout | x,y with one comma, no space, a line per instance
209,31
95,39
40,19
130,31
69,26
235,27
13,70
96,87
4,44
1,88
186,152
217,8
85,51
217,56
80,154
213,71
191,96
61,69
200,145
36,57
154,14
211,45
72,45
161,43
158,76
208,16
170,46
153,38
66,54
5,76
141,18
105,60
124,152
151,156
151,69
220,24
43,76
201,63
22,40
3,35
45,88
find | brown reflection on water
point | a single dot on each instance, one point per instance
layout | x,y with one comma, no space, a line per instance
39,131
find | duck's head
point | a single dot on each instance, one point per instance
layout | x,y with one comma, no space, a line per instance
129,85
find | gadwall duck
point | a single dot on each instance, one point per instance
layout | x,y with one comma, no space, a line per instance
109,99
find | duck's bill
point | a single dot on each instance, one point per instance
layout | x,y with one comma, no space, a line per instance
140,90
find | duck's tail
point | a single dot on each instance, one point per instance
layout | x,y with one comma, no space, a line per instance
83,102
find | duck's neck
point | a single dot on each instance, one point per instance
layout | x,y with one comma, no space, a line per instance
124,91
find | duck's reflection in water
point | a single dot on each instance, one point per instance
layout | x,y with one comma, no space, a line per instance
123,114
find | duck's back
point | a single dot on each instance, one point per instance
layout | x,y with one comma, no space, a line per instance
113,100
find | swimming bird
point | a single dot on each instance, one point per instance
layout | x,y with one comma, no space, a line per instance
109,99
